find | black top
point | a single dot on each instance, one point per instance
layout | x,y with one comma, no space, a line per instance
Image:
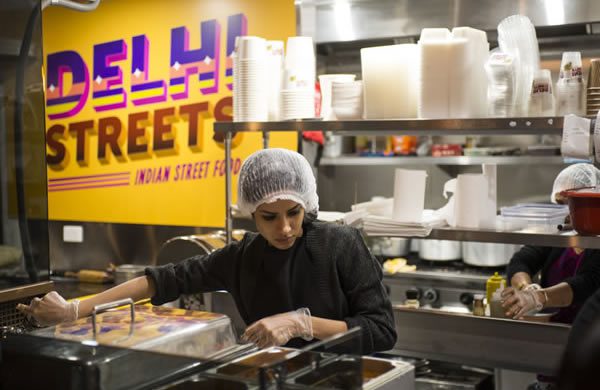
329,270
587,318
533,259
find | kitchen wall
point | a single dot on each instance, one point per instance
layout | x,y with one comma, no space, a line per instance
372,22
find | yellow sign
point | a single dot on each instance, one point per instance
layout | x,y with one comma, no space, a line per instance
132,90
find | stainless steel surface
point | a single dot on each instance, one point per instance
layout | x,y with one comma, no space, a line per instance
125,272
111,305
114,243
351,160
265,138
449,277
476,126
367,19
555,240
480,341
339,187
87,6
228,197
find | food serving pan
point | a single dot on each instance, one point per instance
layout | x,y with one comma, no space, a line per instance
584,208
377,373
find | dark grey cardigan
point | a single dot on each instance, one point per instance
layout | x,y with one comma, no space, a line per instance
343,280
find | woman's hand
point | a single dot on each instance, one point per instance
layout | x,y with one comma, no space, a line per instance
518,303
280,328
52,309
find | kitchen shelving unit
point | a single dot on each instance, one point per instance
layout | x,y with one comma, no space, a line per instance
422,335
352,160
480,127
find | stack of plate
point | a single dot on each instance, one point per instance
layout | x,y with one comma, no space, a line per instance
347,99
298,86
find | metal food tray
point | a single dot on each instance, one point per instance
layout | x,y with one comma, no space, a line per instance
196,334
311,369
274,359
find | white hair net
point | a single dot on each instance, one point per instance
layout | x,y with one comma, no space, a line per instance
272,174
575,176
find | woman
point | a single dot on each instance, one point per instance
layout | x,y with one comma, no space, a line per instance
296,279
568,275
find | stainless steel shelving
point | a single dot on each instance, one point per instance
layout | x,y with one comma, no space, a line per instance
481,126
566,239
350,160
481,341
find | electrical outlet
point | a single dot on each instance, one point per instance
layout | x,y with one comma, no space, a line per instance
73,233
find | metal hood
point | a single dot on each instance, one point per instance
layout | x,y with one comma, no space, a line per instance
351,20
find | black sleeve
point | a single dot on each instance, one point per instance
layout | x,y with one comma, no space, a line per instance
585,282
369,304
587,316
194,275
529,259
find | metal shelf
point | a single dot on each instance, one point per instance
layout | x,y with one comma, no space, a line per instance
562,240
351,160
477,126
468,339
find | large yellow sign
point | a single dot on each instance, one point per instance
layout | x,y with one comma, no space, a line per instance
132,90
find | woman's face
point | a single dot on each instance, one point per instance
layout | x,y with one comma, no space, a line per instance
280,222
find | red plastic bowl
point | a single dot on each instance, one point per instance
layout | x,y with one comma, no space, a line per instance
584,208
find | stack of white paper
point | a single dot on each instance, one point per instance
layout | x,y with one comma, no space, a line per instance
374,225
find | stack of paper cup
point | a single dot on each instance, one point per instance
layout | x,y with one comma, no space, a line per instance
593,90
570,85
236,83
274,68
298,86
250,88
541,102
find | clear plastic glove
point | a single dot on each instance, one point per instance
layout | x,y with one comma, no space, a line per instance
52,309
280,328
518,303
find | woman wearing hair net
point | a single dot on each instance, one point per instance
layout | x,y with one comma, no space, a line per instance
569,276
295,280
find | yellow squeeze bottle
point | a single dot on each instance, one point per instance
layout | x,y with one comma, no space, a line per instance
493,283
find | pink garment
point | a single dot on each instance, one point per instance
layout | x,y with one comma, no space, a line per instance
564,267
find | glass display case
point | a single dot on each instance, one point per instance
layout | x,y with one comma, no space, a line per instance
196,334
24,258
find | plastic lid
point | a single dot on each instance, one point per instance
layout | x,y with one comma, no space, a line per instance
412,294
586,192
535,211
478,297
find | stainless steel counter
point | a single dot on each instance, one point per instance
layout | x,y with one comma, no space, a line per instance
480,341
